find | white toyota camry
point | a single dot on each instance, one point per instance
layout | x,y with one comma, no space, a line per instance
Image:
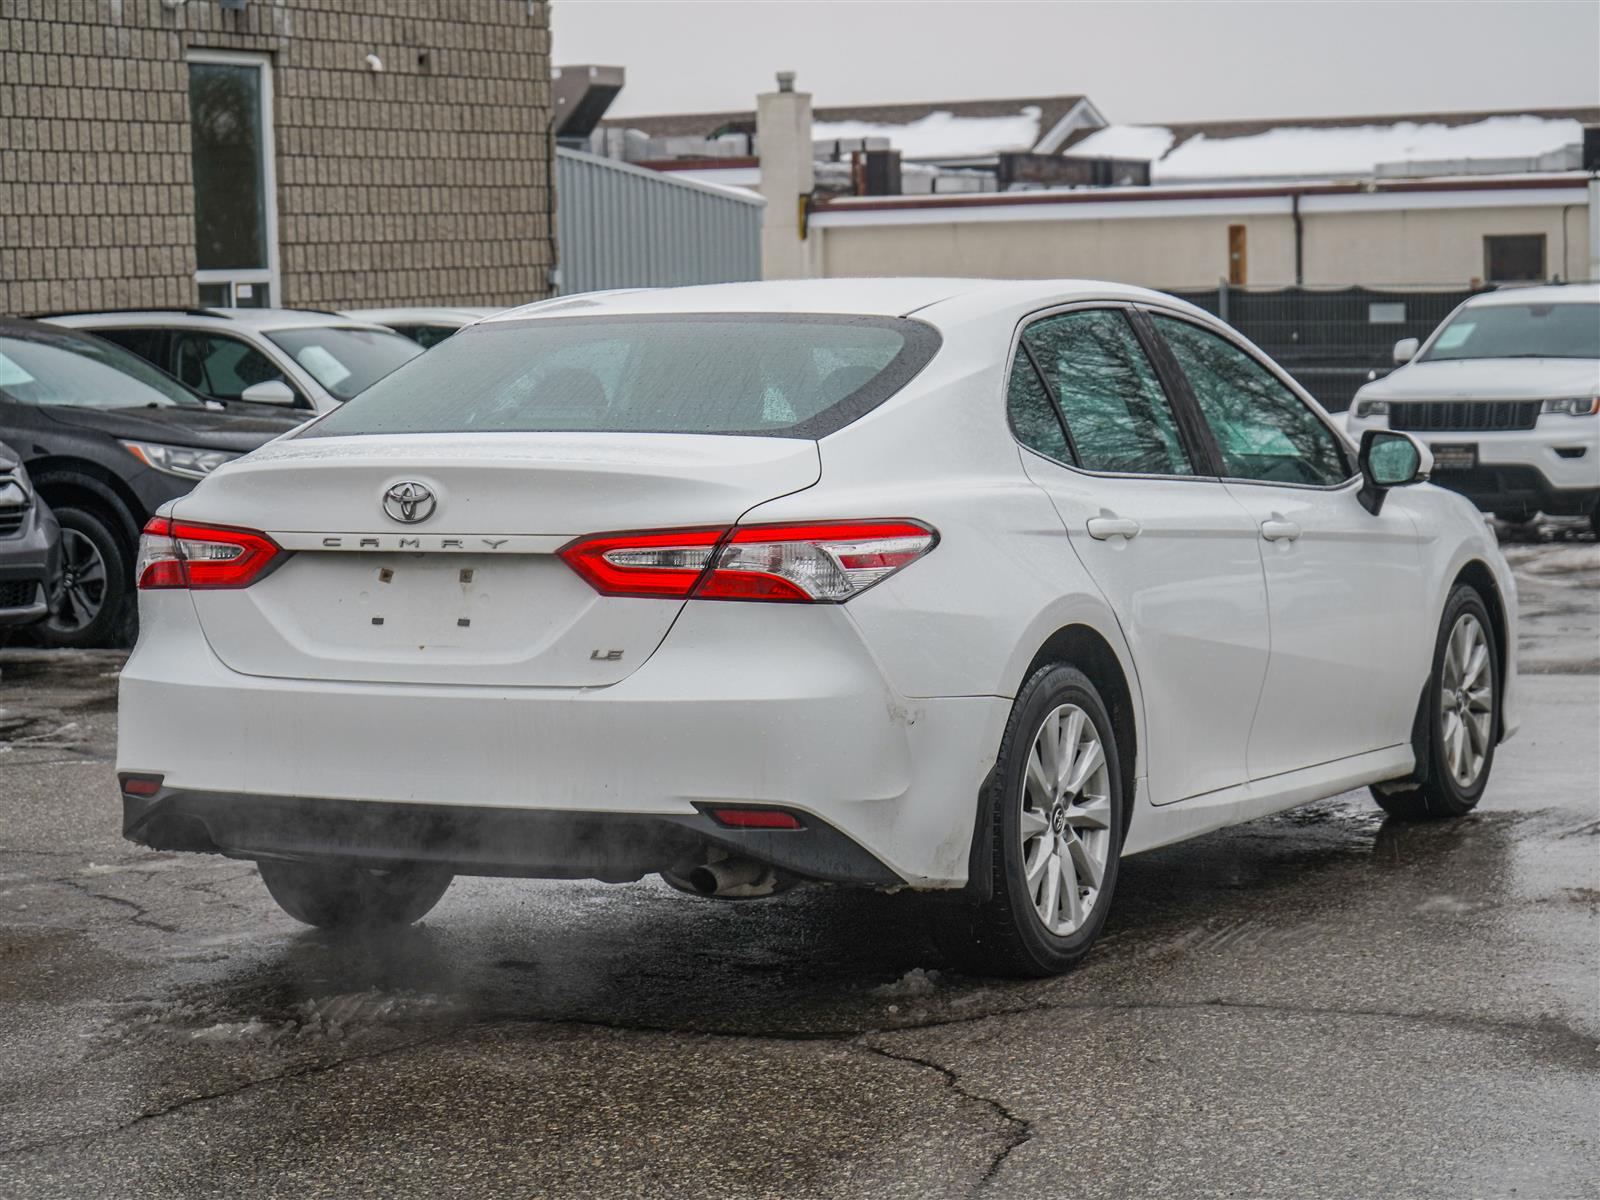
928,583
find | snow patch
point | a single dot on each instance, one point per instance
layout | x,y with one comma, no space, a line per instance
1312,152
915,982
941,134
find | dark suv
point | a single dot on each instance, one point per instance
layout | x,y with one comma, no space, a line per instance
107,438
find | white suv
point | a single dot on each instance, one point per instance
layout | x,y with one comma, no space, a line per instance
1507,394
292,357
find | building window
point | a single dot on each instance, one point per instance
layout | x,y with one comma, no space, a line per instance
235,219
1514,258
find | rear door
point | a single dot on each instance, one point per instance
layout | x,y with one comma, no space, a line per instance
1351,634
1173,553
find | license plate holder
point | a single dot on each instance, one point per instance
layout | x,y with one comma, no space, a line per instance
1454,456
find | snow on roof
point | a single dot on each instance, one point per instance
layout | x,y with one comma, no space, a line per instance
941,134
1306,152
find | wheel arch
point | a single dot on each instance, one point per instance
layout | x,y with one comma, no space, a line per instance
1085,647
75,483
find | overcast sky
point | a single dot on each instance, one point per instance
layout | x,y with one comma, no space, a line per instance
1183,60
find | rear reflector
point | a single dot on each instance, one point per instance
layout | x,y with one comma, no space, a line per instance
177,554
827,562
754,818
141,786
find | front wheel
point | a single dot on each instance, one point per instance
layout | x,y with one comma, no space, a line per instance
1463,717
96,597
1055,821
336,896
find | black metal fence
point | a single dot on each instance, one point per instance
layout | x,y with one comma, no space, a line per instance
1330,339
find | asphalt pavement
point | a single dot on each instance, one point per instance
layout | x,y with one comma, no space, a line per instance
1323,1003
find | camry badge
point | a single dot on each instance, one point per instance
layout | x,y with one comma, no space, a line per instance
409,502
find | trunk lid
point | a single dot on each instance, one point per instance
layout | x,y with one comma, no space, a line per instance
473,592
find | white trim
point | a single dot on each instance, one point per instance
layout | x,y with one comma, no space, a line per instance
1082,115
1132,209
269,169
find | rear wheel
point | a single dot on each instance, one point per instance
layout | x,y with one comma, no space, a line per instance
1463,717
333,896
1056,829
96,594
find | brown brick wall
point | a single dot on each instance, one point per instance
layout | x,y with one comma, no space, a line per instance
427,183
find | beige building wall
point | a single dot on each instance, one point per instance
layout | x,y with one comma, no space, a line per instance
1423,245
1436,245
428,182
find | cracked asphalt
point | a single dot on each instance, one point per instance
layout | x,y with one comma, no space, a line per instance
1322,1003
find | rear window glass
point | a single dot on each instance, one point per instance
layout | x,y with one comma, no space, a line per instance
780,376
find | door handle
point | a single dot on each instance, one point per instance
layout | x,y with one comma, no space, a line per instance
1101,528
1279,530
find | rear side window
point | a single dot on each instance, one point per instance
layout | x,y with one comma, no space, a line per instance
1033,413
1120,418
778,376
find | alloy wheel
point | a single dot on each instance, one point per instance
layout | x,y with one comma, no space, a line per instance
84,583
1466,700
1066,820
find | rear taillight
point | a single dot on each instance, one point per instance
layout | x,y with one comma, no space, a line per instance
827,562
177,554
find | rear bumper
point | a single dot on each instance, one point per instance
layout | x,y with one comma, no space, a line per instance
616,847
742,704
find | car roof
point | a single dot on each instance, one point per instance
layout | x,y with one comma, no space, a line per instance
423,315
885,297
260,319
1554,293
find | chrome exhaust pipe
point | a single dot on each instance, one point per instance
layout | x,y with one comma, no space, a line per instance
732,877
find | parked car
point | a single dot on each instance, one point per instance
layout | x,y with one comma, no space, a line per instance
107,439
952,585
30,547
1507,393
309,361
424,326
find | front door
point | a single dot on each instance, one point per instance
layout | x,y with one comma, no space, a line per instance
1351,638
1172,551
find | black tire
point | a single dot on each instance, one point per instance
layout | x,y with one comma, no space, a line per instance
1441,793
337,896
88,543
1005,935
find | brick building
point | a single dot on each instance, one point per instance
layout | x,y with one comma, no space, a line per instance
313,153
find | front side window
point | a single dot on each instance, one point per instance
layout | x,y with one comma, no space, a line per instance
219,366
1262,429
346,361
1119,416
789,376
1519,331
83,373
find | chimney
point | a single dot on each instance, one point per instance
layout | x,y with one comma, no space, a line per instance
783,139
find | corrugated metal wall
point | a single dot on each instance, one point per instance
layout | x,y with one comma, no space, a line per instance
624,226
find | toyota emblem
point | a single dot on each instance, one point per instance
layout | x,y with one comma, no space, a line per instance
409,502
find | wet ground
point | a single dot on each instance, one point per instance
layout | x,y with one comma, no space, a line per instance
1323,1003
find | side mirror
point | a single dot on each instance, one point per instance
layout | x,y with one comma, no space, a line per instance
1405,350
1390,460
269,391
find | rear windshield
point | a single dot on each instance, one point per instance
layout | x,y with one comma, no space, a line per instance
1520,331
777,376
